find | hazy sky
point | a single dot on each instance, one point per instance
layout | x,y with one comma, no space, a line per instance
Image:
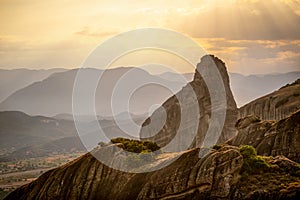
251,36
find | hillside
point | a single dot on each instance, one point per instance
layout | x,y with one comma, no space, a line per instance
25,136
18,130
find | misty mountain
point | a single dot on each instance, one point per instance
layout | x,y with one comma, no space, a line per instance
248,88
53,95
19,130
25,136
171,76
15,79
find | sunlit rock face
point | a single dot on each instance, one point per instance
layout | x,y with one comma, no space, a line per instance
181,115
270,138
275,106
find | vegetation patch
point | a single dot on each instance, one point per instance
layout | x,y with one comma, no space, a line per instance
136,146
143,151
253,164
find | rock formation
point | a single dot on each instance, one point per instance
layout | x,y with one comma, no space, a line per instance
173,109
216,176
270,138
274,106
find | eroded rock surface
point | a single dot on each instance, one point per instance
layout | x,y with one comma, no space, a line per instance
274,106
173,109
270,138
189,177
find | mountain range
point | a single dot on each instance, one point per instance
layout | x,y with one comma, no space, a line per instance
53,95
24,136
49,92
16,79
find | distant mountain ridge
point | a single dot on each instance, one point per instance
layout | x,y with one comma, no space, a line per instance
16,79
248,88
53,95
19,130
25,136
48,92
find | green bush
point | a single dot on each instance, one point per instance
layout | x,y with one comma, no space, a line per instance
247,151
252,162
136,146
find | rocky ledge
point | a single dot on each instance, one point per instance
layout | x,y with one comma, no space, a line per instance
270,138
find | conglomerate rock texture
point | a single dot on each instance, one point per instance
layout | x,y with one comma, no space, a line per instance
187,177
175,109
270,138
215,176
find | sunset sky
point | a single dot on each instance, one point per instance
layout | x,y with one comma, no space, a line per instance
251,36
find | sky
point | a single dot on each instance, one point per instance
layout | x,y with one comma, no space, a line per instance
251,36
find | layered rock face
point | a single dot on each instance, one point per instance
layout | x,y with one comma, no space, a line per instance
181,105
270,138
275,106
187,178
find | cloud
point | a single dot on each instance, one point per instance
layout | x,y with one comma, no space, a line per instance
255,56
86,31
260,20
250,35
22,53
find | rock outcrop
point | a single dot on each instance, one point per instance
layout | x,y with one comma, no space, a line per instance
216,176
274,106
270,138
175,109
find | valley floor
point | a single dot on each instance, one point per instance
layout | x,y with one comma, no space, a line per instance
17,173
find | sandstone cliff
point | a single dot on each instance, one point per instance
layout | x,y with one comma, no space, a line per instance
175,109
274,106
270,138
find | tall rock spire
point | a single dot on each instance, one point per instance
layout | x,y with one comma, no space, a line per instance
172,111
